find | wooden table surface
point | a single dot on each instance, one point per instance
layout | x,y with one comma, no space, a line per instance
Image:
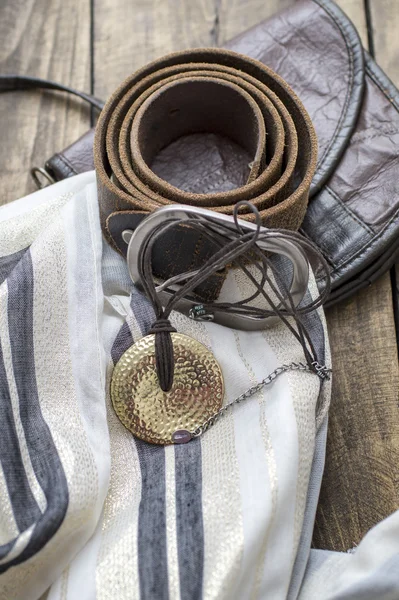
94,44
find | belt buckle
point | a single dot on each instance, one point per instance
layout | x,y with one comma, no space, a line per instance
187,306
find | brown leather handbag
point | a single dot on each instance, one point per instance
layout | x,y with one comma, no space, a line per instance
353,210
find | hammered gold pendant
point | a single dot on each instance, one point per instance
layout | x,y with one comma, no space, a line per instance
154,415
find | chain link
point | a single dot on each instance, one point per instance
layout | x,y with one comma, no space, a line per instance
251,391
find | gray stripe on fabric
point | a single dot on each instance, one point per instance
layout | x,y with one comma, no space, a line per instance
188,481
152,513
152,541
314,326
190,527
24,505
315,329
311,320
143,310
7,263
42,451
153,565
122,342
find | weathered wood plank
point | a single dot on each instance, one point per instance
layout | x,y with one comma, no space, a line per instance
235,16
360,485
385,22
355,11
143,30
384,16
50,40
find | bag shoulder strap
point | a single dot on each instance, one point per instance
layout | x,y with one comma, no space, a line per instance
10,83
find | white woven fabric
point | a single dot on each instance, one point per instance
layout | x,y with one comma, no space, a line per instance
88,511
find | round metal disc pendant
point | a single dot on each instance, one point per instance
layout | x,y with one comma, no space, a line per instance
154,415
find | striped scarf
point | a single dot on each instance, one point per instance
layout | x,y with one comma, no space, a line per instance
89,512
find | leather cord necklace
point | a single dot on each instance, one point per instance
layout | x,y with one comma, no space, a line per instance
239,250
167,387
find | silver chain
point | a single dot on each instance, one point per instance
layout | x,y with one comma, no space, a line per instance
321,371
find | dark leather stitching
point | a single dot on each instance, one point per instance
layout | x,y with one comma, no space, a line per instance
349,211
366,277
378,132
350,214
372,69
366,247
319,245
381,86
61,158
68,163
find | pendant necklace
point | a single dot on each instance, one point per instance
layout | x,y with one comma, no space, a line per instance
168,388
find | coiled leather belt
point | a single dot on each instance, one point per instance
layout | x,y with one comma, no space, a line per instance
196,91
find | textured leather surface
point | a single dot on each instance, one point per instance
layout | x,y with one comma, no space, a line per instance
355,218
318,52
353,213
76,158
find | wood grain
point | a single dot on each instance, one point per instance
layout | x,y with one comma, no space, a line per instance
143,30
384,15
384,26
50,40
360,484
385,22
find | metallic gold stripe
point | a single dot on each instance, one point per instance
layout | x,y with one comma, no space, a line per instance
117,561
304,388
53,363
273,481
18,232
64,584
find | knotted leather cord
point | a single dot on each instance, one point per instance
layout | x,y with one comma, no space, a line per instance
237,249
